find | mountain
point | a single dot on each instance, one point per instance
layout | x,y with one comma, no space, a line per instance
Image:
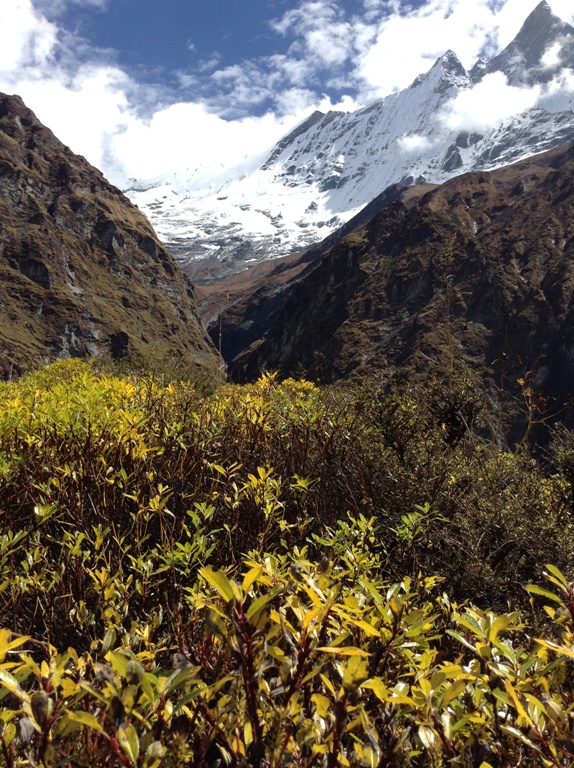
82,272
475,274
541,50
332,165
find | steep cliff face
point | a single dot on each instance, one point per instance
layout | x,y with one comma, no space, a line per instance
82,272
478,271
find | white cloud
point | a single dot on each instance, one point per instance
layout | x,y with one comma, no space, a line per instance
412,142
408,44
488,102
563,8
330,59
56,7
557,94
26,37
552,56
186,135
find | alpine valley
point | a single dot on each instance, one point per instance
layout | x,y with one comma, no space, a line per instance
381,243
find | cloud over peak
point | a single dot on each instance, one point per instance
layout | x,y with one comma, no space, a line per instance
326,54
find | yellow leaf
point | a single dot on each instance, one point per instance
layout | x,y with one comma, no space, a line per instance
558,648
534,589
251,576
313,594
346,650
425,687
85,718
557,574
322,704
430,738
366,627
128,741
355,671
396,698
519,708
309,616
219,582
378,687
68,687
6,644
328,683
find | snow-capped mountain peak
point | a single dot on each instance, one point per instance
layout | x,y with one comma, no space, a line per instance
331,165
543,46
446,71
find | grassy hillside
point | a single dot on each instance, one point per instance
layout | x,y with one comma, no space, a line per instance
277,574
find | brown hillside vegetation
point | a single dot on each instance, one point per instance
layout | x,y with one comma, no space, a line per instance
81,271
475,274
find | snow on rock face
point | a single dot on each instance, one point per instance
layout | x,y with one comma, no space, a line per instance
332,165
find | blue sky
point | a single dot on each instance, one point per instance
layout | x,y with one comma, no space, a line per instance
143,86
177,34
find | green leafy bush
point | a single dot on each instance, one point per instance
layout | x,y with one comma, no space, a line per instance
295,664
276,574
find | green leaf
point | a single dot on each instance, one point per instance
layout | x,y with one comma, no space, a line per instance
154,755
11,685
108,641
461,639
257,605
147,687
498,626
119,662
511,731
471,624
452,692
180,677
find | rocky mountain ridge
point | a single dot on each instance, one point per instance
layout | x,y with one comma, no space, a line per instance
82,272
476,275
332,165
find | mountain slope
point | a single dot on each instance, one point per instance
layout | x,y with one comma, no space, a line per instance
478,272
326,170
81,270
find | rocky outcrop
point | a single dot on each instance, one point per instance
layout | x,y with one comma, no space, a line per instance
82,272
